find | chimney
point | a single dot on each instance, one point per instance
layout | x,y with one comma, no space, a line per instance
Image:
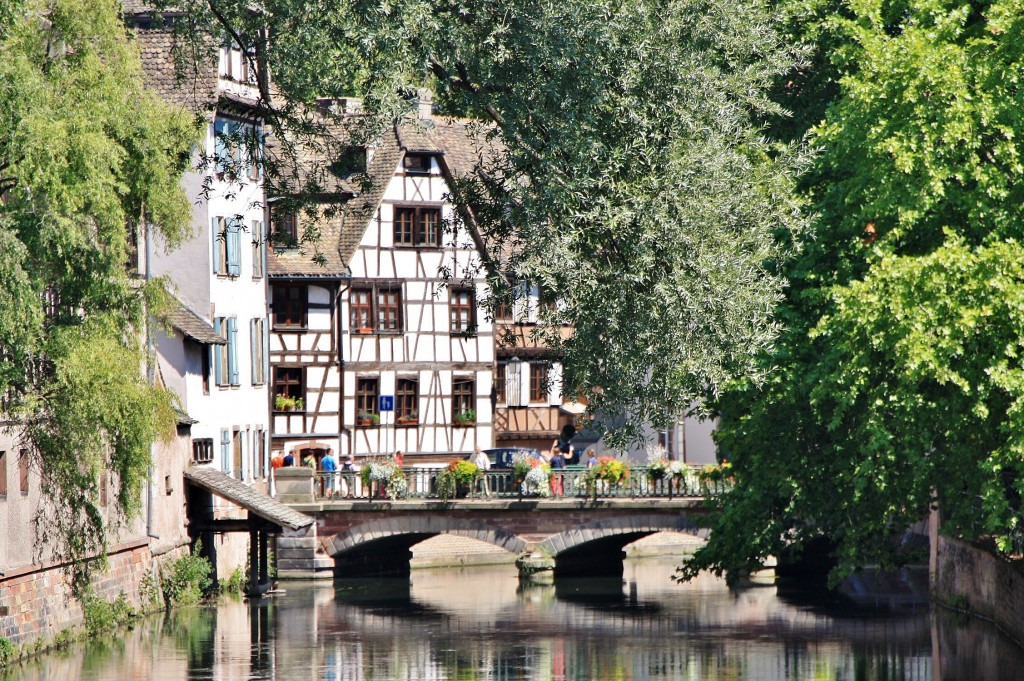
426,104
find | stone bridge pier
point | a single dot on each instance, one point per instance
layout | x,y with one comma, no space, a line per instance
550,538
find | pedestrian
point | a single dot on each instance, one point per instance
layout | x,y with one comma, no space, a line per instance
557,465
277,460
399,458
289,460
309,461
348,478
591,455
329,465
483,462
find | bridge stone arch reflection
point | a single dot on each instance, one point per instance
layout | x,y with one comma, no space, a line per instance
580,537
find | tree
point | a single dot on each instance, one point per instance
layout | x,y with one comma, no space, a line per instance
86,155
630,181
898,375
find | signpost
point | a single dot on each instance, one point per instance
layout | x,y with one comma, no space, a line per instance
385,404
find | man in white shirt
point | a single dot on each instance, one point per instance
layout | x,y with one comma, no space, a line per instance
483,462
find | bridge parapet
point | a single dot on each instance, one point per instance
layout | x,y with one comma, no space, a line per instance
304,484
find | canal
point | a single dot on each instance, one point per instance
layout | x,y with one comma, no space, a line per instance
479,623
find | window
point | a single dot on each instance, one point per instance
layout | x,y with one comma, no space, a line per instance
289,389
225,450
3,474
226,356
202,450
290,306
258,453
389,310
461,305
23,470
538,382
375,308
367,391
237,148
227,58
285,226
259,249
360,303
407,401
500,381
227,246
463,401
417,225
416,163
257,343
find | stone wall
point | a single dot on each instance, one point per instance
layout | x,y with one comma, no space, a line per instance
968,578
36,603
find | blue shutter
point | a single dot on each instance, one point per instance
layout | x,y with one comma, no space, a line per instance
215,235
233,242
218,362
253,357
220,143
232,348
225,450
262,248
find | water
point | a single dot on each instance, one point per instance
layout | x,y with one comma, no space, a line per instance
480,624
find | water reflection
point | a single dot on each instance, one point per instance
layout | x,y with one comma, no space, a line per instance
481,624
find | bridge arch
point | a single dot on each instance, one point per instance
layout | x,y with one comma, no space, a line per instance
383,546
597,547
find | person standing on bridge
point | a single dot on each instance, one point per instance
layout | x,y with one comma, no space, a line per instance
329,465
557,464
483,462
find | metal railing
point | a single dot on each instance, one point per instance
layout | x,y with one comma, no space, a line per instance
566,483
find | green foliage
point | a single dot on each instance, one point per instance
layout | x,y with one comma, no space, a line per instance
8,652
628,164
898,375
608,469
234,584
86,153
456,474
187,579
104,618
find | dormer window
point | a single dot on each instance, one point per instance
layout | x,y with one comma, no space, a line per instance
416,163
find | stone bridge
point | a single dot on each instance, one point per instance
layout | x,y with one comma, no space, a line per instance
566,536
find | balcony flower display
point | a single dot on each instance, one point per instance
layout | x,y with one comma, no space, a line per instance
532,474
457,479
384,474
610,470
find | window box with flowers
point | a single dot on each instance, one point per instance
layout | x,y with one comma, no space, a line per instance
465,418
368,419
410,419
608,472
285,403
457,479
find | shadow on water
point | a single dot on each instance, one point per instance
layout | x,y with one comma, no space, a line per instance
390,597
610,594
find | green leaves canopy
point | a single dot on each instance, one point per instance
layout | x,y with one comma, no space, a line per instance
630,183
86,154
899,372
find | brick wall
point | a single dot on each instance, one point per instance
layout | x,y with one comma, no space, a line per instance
985,585
36,602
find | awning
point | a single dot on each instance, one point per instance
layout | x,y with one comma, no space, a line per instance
255,502
192,325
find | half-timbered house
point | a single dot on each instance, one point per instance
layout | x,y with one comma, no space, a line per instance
384,348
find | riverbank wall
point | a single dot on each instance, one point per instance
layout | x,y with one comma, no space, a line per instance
37,605
970,579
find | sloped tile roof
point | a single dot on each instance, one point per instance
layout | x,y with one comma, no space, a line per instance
193,89
248,498
192,325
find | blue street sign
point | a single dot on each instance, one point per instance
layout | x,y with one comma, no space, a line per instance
386,403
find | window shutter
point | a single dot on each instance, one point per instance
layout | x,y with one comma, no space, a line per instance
234,246
220,143
218,359
232,351
214,225
263,249
225,450
255,344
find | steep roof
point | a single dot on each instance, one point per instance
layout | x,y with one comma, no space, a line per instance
193,87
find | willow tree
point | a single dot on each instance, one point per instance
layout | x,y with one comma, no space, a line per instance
86,153
899,381
632,183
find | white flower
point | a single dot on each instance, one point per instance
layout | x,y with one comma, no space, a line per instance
538,482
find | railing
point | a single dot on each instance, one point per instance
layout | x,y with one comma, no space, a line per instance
570,482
